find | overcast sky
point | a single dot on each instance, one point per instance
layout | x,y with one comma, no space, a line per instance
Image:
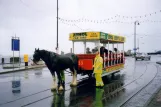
34,21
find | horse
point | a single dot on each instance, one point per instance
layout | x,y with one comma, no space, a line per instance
58,63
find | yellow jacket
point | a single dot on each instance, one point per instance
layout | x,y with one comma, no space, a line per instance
98,64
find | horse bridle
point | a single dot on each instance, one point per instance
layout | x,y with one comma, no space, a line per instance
34,62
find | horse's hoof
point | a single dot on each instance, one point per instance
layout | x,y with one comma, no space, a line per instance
73,85
60,92
61,88
53,89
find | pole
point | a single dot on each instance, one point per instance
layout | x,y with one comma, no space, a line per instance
13,51
138,44
84,47
113,55
117,54
57,46
134,38
19,52
108,54
123,53
73,48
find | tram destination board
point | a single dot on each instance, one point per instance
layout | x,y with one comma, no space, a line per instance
85,36
95,36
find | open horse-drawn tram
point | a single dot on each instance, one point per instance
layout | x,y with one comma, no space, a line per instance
113,60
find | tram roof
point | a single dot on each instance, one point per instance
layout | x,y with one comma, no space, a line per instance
94,36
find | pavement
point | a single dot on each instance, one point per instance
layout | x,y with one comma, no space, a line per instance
35,85
21,68
155,100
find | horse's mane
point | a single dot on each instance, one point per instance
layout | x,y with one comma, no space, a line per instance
46,51
48,54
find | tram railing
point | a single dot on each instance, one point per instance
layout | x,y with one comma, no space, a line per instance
113,59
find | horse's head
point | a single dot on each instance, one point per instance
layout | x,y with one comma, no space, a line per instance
36,56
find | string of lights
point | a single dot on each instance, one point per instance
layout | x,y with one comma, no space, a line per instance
76,26
126,35
111,18
108,22
141,16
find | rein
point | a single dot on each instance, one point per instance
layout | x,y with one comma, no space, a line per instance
34,62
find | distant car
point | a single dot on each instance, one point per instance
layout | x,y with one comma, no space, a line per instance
142,56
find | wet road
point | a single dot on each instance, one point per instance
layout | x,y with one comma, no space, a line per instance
36,84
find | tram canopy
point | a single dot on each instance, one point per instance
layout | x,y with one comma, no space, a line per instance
95,36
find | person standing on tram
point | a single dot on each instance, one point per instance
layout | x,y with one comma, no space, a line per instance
98,66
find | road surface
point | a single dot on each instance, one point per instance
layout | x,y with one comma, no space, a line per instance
36,84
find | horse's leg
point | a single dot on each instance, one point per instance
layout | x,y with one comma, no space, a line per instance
62,77
72,72
54,82
60,87
74,80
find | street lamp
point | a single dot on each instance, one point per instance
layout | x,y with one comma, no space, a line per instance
138,44
57,46
135,23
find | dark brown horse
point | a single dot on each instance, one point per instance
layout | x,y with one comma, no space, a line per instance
58,63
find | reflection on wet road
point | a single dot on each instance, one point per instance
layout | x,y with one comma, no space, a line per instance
35,87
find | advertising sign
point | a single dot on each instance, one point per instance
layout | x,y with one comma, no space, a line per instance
15,45
84,36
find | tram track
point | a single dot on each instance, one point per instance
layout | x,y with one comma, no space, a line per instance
49,89
121,88
51,96
141,88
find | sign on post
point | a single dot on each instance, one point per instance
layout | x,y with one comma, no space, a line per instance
15,45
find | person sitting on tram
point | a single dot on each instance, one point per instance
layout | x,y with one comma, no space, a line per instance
94,50
106,54
88,51
117,52
102,49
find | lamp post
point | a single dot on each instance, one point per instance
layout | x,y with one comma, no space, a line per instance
135,23
57,46
138,44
